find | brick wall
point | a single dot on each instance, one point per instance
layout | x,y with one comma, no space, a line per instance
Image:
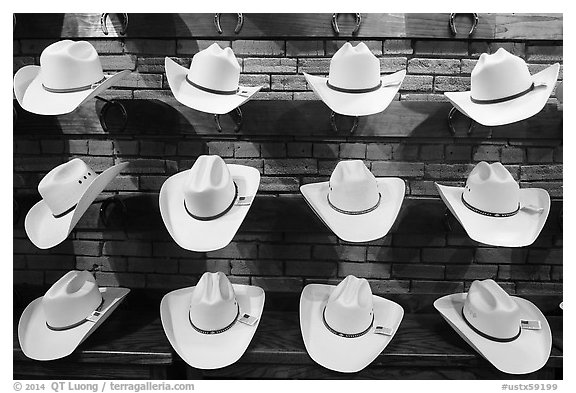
418,256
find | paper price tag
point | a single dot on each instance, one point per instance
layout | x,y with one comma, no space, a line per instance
244,200
385,331
243,93
94,317
247,319
530,325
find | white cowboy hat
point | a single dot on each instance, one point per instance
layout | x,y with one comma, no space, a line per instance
345,327
502,91
69,74
499,326
211,83
53,325
204,206
67,192
354,204
494,210
211,324
354,86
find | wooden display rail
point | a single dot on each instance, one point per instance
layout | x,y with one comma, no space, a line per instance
270,26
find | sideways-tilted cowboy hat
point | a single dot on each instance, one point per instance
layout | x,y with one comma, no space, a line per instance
211,84
354,204
510,332
494,210
53,325
69,74
354,86
204,206
345,327
502,91
67,192
210,325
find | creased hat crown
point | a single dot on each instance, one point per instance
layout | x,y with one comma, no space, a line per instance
354,68
213,304
353,187
70,64
491,188
215,68
71,299
63,186
499,75
349,308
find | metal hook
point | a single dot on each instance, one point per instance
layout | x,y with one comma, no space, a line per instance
239,23
95,267
335,128
446,220
106,107
16,212
475,20
238,121
337,29
113,201
451,125
103,18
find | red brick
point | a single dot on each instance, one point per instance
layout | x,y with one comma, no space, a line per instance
251,162
325,150
419,240
540,154
221,148
432,47
128,280
273,150
50,262
311,269
451,83
400,169
169,282
551,256
458,152
150,46
123,183
278,284
365,270
100,148
255,80
392,64
448,171
486,153
440,287
447,255
127,248
299,149
342,253
554,188
544,53
393,254
558,154
471,272
246,149
279,184
270,65
418,271
556,274
405,151
124,147
118,62
383,287
172,250
314,66
156,64
305,48
333,45
235,251
190,148
103,263
152,183
282,251
30,277
137,80
353,150
258,47
152,265
378,151
288,82
26,146
191,47
144,166
541,172
467,65
36,164
434,66
524,272
290,166
273,96
417,83
259,268
201,266
398,47
310,238
35,46
512,155
538,288
432,152
500,255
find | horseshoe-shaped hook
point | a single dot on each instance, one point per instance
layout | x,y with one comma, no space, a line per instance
356,27
474,17
104,17
335,127
451,114
239,23
106,107
113,201
236,115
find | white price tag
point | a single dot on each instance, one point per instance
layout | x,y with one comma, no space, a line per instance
385,331
247,319
530,325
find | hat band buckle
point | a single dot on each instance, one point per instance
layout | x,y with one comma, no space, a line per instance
489,214
346,335
93,317
487,336
354,212
74,89
217,331
505,99
210,218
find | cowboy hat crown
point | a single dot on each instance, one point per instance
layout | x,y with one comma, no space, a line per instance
352,187
491,311
354,68
68,65
491,189
213,304
215,69
349,309
63,186
71,299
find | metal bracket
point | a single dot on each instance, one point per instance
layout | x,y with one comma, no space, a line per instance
474,17
336,29
113,201
104,17
335,127
451,114
16,212
236,115
104,111
239,23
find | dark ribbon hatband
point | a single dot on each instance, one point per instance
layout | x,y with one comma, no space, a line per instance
346,335
354,212
74,89
218,330
354,91
65,212
217,215
489,214
59,329
213,91
484,335
503,99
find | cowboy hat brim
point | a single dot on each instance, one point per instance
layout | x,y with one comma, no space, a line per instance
201,100
42,343
345,355
196,235
46,231
509,111
519,230
32,96
357,104
209,351
528,353
361,227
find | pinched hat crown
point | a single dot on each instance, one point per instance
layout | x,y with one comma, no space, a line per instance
68,66
215,69
354,68
64,185
353,188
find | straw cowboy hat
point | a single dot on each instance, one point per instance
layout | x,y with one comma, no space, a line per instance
354,86
67,192
69,74
211,83
345,327
354,204
204,206
502,91
53,325
510,332
494,210
211,324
